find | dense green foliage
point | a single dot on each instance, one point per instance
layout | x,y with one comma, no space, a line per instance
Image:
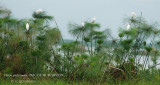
20,48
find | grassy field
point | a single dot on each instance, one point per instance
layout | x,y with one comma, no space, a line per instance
62,82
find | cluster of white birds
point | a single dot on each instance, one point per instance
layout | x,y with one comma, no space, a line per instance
132,15
83,24
93,21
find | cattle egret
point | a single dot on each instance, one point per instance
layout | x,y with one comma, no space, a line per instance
39,11
93,20
27,26
128,26
133,14
83,24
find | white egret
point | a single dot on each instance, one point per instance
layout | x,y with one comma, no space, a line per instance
39,11
133,14
83,24
93,19
128,26
27,26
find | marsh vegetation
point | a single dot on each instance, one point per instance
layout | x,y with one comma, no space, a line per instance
32,46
